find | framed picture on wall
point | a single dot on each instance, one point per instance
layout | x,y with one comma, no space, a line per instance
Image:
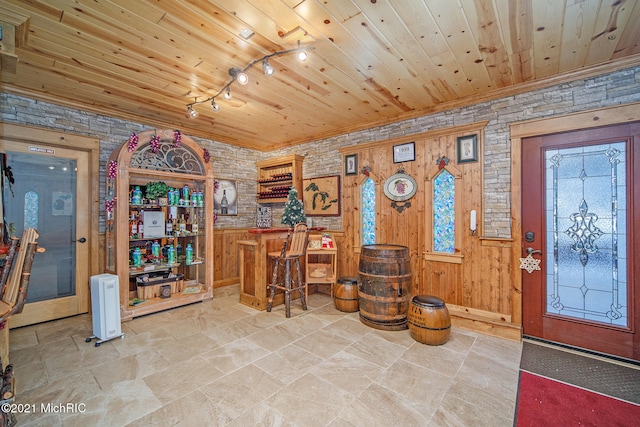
225,197
404,152
321,196
351,164
467,148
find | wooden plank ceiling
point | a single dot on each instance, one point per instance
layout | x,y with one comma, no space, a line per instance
371,62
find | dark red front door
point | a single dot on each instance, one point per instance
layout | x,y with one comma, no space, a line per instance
580,225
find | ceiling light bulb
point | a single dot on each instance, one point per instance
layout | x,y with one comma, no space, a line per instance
214,106
267,68
191,111
242,78
227,94
301,54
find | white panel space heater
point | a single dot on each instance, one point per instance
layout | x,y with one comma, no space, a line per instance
105,304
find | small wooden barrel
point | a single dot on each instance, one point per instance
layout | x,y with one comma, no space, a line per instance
429,321
384,286
345,294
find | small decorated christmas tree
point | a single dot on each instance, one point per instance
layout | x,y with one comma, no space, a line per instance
293,209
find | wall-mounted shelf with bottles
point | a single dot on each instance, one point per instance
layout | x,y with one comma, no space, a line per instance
161,250
277,176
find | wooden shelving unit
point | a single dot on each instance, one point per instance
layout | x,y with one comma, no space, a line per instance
276,176
177,165
321,264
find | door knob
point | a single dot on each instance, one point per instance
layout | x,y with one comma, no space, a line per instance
81,240
531,251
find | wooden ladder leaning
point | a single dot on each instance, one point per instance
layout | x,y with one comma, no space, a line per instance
14,282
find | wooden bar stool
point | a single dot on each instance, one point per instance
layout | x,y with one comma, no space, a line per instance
429,321
287,270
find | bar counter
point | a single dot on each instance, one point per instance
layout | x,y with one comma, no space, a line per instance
256,268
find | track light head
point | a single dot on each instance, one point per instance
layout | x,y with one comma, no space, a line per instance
239,75
242,78
267,68
227,94
191,111
214,106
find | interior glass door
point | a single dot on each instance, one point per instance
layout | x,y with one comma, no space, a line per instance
45,194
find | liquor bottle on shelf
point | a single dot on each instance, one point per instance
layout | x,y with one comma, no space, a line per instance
185,195
155,249
141,225
171,255
194,224
188,254
224,203
137,257
136,197
133,227
169,226
182,225
174,197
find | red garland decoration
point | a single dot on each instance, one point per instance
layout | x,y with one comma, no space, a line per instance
177,138
133,142
206,155
113,169
155,143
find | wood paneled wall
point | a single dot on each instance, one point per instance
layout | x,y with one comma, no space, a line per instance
475,280
226,265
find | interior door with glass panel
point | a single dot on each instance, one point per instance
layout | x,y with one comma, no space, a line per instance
581,201
47,195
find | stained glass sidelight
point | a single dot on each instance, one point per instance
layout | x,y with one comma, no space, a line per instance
31,212
444,212
586,233
368,194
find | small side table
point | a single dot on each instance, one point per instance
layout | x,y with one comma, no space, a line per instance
321,266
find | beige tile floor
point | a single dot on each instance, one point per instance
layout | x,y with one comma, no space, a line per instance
221,363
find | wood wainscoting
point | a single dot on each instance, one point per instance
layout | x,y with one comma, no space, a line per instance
475,281
226,265
477,289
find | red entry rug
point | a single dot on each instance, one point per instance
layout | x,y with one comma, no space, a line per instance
545,402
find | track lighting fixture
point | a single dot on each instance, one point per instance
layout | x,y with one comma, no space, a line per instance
267,68
239,75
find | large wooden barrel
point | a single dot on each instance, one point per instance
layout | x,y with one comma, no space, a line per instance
384,278
429,321
345,294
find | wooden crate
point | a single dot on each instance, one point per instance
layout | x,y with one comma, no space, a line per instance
152,287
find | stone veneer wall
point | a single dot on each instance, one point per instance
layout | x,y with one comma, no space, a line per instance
322,157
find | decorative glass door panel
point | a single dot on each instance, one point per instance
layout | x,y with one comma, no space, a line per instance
586,233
